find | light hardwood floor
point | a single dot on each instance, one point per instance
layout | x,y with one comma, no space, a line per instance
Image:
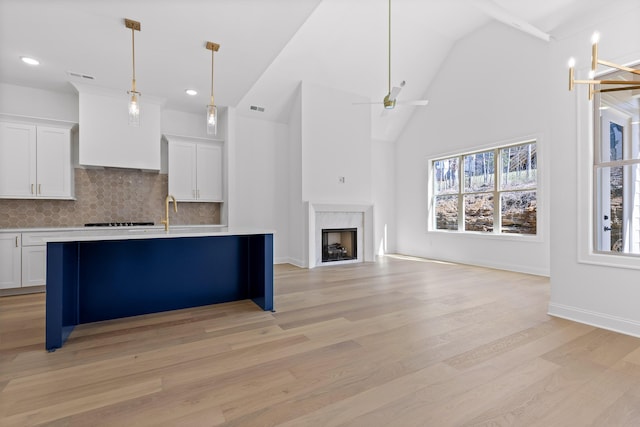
402,342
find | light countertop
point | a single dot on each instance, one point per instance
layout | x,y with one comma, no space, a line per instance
137,233
78,228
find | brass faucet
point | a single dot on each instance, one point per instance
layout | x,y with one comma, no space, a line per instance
165,221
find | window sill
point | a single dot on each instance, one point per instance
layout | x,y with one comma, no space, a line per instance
491,236
629,261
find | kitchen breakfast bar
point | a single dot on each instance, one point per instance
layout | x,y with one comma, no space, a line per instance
107,275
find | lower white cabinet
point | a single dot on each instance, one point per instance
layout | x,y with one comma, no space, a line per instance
23,259
10,260
34,265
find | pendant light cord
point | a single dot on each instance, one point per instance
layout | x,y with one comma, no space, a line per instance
212,51
389,85
133,50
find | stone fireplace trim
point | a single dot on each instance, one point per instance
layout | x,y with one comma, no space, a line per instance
367,247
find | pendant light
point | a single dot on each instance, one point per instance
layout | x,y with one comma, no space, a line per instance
134,106
212,110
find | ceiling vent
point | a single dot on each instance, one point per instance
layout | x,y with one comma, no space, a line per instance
256,108
80,75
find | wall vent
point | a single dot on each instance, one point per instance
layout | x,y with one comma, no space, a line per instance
80,75
256,108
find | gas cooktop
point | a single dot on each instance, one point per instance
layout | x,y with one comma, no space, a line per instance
118,224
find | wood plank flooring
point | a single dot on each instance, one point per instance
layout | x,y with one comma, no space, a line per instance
401,342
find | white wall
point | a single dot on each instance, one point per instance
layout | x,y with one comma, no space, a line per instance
383,182
27,101
262,193
596,294
336,142
297,219
490,90
187,124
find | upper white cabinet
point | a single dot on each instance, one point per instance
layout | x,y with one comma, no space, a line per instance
195,169
209,172
35,161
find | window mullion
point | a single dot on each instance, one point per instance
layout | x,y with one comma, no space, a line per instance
461,213
497,208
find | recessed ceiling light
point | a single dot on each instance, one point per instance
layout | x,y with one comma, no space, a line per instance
30,61
191,92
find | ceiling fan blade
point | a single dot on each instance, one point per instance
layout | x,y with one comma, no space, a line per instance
395,91
419,102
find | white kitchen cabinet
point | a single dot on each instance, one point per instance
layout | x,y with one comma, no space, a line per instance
17,160
195,169
34,266
35,161
209,172
53,162
10,260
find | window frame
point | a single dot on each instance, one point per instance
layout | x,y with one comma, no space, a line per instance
599,163
585,144
496,192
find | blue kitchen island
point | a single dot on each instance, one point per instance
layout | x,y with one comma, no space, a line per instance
112,274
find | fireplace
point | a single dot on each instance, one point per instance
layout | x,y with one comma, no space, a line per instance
339,244
336,218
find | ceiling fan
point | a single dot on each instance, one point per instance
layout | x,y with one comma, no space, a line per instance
391,99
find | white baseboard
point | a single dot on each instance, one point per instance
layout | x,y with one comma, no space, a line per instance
281,260
496,265
593,318
292,261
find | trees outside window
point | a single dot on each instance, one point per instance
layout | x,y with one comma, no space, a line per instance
491,191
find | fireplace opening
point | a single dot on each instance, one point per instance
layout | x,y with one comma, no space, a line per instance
339,244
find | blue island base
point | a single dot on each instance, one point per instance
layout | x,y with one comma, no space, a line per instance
90,281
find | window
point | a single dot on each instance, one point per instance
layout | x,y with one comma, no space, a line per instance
492,191
617,170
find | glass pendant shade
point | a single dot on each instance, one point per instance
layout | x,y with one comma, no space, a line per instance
212,119
134,111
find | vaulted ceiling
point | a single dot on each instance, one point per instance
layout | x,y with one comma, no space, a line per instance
267,47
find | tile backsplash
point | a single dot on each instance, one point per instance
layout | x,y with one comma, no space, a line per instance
107,195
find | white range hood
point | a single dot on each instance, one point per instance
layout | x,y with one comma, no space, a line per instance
105,137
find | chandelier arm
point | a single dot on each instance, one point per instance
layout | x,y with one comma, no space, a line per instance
619,67
606,82
617,89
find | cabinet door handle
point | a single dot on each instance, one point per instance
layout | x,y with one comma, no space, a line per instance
31,188
39,188
17,243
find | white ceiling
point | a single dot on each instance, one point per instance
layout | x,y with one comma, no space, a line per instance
267,47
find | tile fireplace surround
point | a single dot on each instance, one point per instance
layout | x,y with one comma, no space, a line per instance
323,215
